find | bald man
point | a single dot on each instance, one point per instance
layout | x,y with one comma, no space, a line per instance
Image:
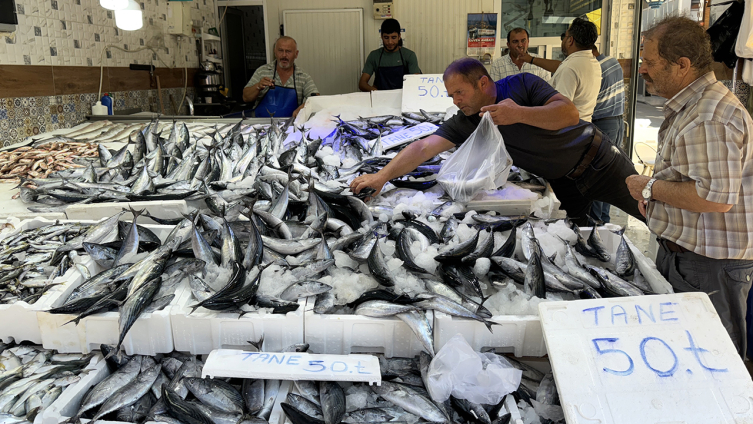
280,88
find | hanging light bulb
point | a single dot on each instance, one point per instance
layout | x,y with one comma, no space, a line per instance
114,4
131,18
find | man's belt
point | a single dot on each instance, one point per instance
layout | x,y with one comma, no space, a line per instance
588,158
672,246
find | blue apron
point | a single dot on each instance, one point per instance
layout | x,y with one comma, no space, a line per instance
281,101
390,77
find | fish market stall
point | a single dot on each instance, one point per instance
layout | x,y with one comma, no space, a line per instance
184,237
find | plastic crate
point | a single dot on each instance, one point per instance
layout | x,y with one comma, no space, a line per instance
346,334
169,209
149,335
203,330
522,335
25,325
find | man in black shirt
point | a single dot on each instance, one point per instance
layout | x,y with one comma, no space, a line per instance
542,134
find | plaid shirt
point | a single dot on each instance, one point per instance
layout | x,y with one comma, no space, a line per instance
504,67
705,138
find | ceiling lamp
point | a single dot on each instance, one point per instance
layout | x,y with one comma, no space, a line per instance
131,18
114,4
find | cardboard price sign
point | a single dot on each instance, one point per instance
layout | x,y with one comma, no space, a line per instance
660,358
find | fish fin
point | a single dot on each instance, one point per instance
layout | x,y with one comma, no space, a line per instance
257,344
115,350
489,324
621,231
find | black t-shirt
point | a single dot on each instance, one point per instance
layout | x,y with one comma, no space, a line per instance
549,154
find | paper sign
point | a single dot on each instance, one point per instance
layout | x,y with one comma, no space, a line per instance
645,359
425,92
292,366
409,134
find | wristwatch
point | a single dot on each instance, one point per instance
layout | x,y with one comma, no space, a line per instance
647,190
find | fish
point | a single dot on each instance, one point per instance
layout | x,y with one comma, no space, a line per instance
378,267
534,276
624,260
332,399
411,401
599,250
304,289
420,326
216,393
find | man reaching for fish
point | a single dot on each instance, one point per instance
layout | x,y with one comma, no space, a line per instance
542,134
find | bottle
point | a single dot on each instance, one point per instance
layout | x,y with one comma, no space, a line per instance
107,101
99,109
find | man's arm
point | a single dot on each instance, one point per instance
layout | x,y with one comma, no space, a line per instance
363,84
548,64
557,113
407,160
681,195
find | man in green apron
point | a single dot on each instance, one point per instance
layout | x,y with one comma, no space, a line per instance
390,63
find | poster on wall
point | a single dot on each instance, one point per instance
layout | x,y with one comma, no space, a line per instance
482,34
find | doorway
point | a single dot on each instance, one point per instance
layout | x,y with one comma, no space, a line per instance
244,24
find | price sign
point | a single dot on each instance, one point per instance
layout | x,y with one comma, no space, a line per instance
292,366
407,135
425,92
662,358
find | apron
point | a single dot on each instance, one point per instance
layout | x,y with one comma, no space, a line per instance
280,101
390,77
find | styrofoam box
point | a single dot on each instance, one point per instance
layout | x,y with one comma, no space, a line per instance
522,334
19,319
69,401
204,330
346,334
149,335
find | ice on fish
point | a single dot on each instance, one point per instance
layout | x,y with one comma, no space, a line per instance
274,280
481,267
388,248
324,151
342,260
527,413
468,219
510,300
465,232
561,229
348,286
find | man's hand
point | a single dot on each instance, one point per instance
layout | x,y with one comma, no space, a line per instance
636,184
525,57
264,83
642,205
374,181
506,112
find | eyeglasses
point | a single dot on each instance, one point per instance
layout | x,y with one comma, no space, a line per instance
562,37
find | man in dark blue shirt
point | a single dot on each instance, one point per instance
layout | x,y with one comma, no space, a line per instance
542,134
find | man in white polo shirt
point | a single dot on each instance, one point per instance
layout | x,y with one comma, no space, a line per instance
578,77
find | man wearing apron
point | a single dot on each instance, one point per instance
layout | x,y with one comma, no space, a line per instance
280,88
390,63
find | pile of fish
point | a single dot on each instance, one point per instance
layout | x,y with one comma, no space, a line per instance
26,260
402,397
39,162
31,379
224,166
537,395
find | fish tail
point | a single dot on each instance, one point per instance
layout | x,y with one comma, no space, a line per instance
115,349
621,231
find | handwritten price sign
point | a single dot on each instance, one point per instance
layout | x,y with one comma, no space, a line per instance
425,92
662,358
292,366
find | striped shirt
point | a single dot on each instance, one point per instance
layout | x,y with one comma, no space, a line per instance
705,138
504,67
611,100
304,84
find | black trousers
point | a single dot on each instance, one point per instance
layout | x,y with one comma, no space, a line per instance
726,281
603,180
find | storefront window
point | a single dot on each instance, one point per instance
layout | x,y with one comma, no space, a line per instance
547,18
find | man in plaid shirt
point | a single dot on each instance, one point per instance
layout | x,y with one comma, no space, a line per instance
699,202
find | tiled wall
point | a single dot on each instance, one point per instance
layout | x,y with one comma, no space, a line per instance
21,117
74,32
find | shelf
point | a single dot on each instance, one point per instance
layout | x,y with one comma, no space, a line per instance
208,37
213,59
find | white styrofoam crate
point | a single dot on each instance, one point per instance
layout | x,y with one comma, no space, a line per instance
149,335
69,401
23,316
346,334
522,334
204,330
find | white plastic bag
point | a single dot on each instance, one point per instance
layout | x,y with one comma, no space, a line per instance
481,163
482,378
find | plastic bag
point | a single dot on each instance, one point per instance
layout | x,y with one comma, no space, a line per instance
744,45
482,378
481,163
723,33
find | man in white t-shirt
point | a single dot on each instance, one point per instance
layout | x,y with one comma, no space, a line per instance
578,77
